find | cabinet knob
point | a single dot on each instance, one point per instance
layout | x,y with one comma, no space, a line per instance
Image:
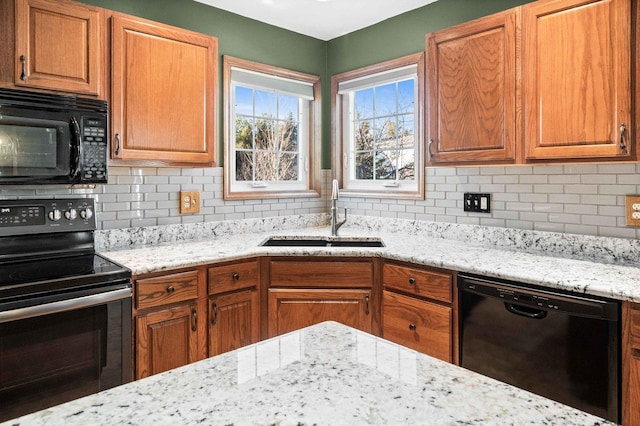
236,276
170,289
412,281
412,327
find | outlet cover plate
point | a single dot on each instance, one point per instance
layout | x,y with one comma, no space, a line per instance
189,202
633,210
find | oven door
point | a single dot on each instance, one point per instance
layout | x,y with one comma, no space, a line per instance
38,147
56,352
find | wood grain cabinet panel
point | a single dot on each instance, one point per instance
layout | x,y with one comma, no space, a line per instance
292,309
417,324
234,306
166,289
166,339
163,93
418,282
59,45
234,321
577,79
322,273
472,84
170,321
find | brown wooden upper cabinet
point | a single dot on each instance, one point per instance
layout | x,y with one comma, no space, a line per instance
164,82
576,69
52,45
471,83
550,80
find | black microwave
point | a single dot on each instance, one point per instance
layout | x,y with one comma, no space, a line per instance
52,139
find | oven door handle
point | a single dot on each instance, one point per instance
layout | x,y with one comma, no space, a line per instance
65,305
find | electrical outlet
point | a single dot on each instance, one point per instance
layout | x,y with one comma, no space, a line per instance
189,202
479,203
633,210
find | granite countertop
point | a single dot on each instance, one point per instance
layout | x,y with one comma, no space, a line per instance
325,374
561,270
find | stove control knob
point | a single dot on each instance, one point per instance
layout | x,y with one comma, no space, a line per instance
55,215
71,214
86,213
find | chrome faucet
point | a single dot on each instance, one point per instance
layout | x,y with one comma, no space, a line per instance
335,225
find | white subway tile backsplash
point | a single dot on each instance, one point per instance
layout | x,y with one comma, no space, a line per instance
572,198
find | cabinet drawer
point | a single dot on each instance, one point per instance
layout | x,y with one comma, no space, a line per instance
333,274
416,324
166,289
434,285
233,277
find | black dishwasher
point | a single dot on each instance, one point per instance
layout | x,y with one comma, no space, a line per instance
557,344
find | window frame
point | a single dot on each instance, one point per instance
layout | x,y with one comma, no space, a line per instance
339,144
232,191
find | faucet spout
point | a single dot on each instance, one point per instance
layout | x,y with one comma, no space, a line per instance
335,224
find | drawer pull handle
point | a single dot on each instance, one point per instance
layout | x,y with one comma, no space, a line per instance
214,318
170,289
194,324
412,327
412,281
366,305
236,276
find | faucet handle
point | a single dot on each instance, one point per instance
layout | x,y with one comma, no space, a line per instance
335,190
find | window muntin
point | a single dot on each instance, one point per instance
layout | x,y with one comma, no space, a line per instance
271,117
378,116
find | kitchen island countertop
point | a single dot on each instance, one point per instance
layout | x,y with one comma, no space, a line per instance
327,374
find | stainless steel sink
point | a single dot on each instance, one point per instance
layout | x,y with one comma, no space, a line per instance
322,242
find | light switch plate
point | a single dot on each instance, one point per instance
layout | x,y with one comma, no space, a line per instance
633,210
475,202
189,202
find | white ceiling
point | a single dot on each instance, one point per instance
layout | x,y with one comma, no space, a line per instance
322,19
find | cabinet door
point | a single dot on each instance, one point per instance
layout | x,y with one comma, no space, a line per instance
416,324
166,339
163,100
471,80
577,76
58,46
234,321
292,309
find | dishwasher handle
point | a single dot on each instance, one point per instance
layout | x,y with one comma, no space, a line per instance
526,312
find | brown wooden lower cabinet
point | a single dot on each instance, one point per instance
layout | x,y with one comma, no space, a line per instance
418,309
417,324
234,321
170,320
292,309
166,339
631,364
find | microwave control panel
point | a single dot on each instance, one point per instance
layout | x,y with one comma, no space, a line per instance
94,149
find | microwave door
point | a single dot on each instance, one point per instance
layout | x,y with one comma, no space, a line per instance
36,150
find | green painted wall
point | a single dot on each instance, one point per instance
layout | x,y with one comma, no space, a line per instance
249,39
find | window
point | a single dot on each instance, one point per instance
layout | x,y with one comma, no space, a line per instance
378,139
271,125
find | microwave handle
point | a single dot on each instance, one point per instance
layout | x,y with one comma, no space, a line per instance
75,148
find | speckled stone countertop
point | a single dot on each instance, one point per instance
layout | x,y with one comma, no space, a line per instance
327,374
592,265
